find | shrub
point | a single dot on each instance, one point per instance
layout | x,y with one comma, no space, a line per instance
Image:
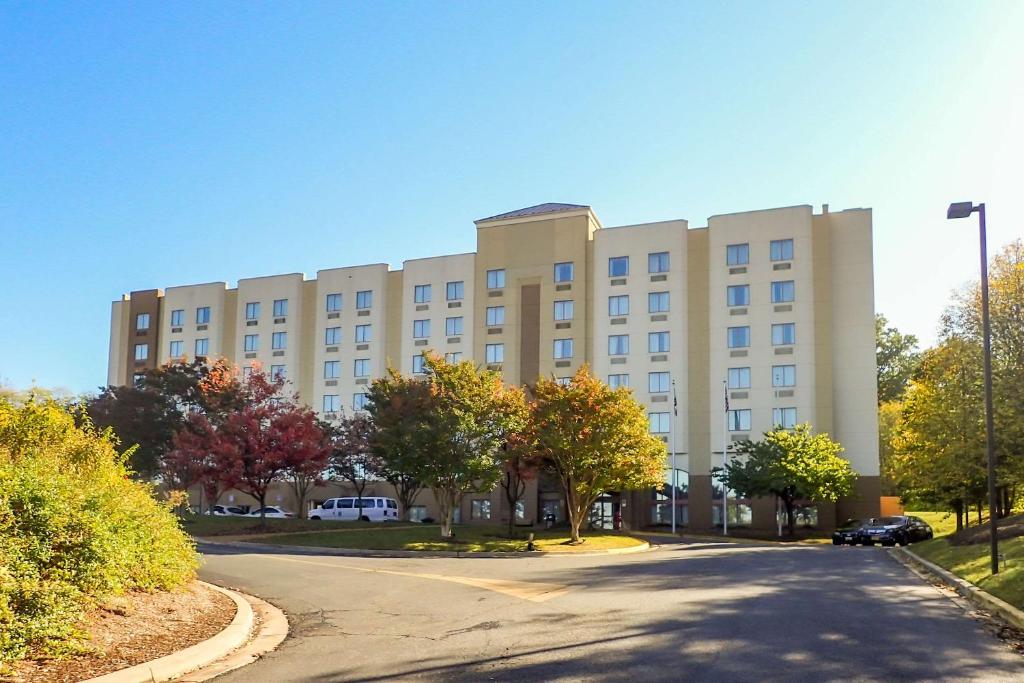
74,528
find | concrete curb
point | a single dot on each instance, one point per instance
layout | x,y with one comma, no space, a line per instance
174,665
979,597
355,552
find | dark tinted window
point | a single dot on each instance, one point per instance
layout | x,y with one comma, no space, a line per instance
369,503
346,503
329,505
890,520
392,504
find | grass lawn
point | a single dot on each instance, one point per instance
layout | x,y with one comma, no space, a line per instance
469,538
971,562
207,525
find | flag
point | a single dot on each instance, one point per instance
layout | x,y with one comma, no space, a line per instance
675,403
726,386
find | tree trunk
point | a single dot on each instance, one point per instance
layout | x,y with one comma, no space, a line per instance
515,487
958,507
790,516
446,504
572,508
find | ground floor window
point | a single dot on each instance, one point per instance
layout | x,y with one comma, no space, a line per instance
661,514
740,513
417,513
551,510
804,516
520,510
480,508
661,509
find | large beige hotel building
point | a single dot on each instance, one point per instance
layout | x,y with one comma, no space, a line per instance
774,308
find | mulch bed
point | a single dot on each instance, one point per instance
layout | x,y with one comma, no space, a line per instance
136,628
1009,527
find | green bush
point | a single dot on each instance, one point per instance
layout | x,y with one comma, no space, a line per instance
74,528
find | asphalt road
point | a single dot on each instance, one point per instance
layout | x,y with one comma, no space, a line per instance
693,612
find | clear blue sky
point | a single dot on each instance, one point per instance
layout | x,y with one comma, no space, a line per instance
155,144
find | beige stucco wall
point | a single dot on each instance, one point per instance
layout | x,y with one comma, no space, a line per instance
118,354
188,298
436,272
266,290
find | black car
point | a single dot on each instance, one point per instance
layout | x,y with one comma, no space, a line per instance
849,532
892,530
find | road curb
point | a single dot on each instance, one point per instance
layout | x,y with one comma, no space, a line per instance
979,597
171,666
644,546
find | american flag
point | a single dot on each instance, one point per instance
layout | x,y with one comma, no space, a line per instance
726,388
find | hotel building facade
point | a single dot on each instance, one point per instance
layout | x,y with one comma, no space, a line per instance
770,312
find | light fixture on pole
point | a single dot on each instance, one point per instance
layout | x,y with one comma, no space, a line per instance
672,429
963,210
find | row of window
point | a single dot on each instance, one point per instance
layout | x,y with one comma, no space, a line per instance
782,334
658,262
202,348
278,342
739,254
782,376
657,342
332,335
739,420
783,291
178,317
332,402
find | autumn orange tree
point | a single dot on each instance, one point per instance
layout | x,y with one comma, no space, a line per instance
595,439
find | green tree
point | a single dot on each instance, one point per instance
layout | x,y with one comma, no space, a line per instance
897,357
594,439
400,410
472,414
791,464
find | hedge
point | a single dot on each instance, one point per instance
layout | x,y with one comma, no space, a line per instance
74,529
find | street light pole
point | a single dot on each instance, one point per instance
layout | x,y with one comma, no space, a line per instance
962,210
672,429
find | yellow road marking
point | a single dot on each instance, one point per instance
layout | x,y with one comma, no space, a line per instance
524,590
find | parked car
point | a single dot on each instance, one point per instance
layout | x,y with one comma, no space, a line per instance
347,509
849,532
900,529
226,511
272,512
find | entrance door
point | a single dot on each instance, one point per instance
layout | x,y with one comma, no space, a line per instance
602,512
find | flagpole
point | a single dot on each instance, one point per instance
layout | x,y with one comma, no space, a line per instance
672,430
725,461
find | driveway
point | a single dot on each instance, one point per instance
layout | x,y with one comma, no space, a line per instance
687,611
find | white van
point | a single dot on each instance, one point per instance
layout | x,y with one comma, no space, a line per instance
347,509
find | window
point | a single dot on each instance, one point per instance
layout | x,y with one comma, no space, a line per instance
417,364
658,262
563,310
782,250
177,349
332,403
737,254
420,328
564,381
739,420
495,315
417,513
454,291
141,351
333,303
252,310
616,381
658,382
178,317
657,342
783,375
496,278
618,305
618,266
138,378
659,423
618,344
202,347
784,333
203,315
480,509
252,342
738,337
361,367
332,336
563,272
363,334
359,401
495,353
277,372
364,299
421,294
783,291
738,295
453,356
739,378
784,417
657,302
280,308
279,341
332,369
453,326
563,348
247,372
520,510
142,321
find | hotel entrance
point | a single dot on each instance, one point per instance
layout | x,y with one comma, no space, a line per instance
604,511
